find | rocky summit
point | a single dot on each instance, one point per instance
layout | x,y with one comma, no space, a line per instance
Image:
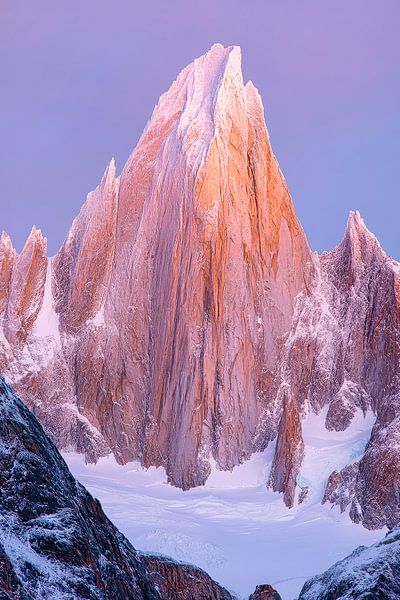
186,321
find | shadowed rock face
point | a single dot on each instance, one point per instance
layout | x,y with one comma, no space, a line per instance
180,581
55,540
265,592
184,317
371,573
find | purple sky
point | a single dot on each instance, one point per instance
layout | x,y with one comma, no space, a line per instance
79,81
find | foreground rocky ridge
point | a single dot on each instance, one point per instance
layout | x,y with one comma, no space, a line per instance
371,573
185,318
55,540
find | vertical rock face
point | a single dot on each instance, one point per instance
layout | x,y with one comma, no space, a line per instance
7,256
206,228
174,286
289,453
180,581
184,317
81,269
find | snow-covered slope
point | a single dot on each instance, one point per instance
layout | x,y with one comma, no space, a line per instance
241,534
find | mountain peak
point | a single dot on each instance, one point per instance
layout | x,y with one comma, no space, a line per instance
359,240
195,241
34,238
218,50
199,82
109,173
206,95
217,57
355,223
232,55
5,240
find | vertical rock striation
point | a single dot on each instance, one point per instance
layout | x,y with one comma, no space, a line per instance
24,276
174,286
289,453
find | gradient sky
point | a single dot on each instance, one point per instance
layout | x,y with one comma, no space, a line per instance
79,80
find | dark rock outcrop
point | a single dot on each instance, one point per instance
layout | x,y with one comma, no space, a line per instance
371,573
265,592
181,581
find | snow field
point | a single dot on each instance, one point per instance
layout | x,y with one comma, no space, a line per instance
232,527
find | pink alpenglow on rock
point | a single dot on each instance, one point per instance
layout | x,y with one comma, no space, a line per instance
24,278
185,320
289,453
